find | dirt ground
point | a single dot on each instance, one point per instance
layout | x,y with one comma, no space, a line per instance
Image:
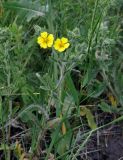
105,145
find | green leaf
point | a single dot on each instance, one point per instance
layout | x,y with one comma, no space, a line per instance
68,104
107,108
96,89
90,118
90,74
72,89
63,143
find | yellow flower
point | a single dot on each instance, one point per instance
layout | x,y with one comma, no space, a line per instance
61,44
45,40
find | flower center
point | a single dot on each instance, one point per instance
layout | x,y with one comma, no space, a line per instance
61,45
46,40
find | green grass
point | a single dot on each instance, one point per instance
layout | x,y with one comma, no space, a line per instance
49,100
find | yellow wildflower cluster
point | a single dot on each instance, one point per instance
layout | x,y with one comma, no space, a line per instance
46,40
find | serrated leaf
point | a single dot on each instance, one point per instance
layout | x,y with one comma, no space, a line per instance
90,74
107,108
97,89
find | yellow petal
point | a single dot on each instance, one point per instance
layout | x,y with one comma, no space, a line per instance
43,45
44,34
56,46
50,40
39,40
64,40
57,43
49,44
42,40
50,37
67,45
61,49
